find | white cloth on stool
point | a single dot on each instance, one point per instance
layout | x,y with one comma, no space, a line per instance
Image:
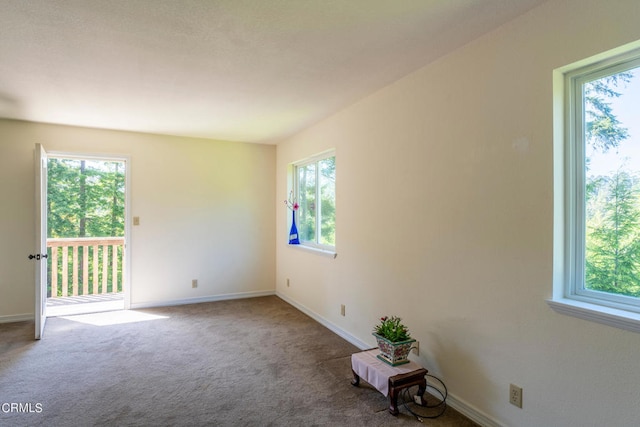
376,372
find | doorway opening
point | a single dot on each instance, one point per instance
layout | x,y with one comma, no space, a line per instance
86,235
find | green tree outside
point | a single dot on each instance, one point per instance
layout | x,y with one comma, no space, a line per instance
85,198
612,205
613,246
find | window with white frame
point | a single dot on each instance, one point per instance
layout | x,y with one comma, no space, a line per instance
315,191
602,186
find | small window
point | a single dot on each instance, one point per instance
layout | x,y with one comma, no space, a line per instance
315,190
601,211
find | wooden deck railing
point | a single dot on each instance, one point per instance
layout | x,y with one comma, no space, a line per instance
85,265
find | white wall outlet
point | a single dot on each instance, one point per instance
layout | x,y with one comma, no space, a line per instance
342,310
515,395
136,220
194,283
416,348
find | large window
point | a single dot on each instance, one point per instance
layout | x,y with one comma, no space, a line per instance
315,190
602,184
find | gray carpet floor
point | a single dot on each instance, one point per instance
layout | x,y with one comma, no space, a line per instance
251,362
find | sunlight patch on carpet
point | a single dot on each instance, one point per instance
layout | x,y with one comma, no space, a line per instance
114,317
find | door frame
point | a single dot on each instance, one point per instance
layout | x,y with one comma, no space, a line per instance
126,159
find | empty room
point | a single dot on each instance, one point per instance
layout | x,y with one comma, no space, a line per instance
207,208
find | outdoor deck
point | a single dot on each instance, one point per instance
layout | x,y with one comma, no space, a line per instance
84,275
66,306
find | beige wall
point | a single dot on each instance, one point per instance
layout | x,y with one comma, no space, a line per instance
205,207
445,218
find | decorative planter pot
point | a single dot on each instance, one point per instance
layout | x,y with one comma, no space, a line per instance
393,353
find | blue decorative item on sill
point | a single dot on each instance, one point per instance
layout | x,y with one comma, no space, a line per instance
294,206
293,234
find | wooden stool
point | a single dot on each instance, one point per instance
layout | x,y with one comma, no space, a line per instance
387,379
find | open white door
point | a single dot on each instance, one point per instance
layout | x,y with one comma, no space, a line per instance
40,256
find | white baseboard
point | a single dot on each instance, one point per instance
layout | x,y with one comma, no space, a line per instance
16,318
211,298
459,405
472,412
331,326
149,304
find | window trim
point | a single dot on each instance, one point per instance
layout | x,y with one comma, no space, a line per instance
315,246
569,294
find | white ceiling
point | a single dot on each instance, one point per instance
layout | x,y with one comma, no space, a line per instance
237,70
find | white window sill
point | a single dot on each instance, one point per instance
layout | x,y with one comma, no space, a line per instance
596,313
317,251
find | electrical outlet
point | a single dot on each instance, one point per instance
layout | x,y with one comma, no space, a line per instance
342,310
416,348
515,395
194,283
288,284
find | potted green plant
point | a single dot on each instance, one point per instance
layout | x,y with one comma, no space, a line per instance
394,340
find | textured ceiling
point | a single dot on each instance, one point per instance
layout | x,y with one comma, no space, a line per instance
238,70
